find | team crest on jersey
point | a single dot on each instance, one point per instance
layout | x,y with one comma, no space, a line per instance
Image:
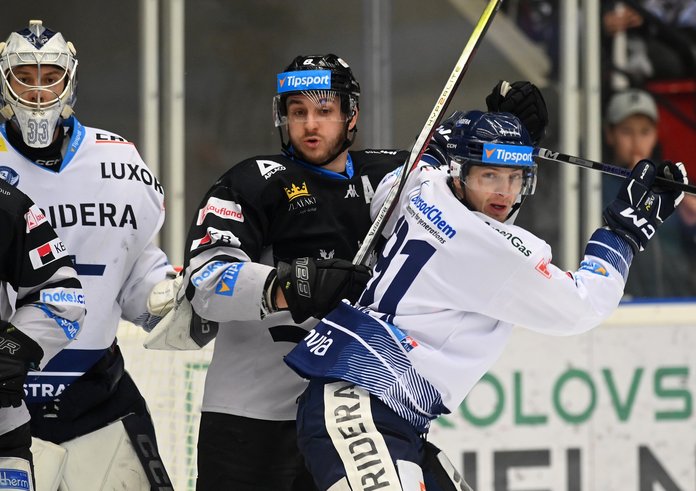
47,253
34,217
223,208
267,167
9,175
300,198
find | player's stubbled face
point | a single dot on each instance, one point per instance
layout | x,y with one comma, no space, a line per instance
316,130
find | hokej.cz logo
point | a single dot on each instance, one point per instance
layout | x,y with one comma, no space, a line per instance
494,153
222,208
303,80
295,191
206,272
63,296
47,253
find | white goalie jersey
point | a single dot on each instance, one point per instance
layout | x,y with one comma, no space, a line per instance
447,289
107,207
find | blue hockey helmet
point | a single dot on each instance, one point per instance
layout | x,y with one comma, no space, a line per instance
490,139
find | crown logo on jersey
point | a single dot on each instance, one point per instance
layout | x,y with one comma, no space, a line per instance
296,192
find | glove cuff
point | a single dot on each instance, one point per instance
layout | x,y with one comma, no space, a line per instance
18,345
268,300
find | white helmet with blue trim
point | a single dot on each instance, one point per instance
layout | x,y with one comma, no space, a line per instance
37,99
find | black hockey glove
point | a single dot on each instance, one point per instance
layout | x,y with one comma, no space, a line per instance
18,354
313,287
524,100
641,205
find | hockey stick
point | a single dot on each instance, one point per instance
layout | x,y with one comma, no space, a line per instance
546,155
370,241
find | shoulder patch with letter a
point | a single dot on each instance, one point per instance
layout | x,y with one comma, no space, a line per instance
268,167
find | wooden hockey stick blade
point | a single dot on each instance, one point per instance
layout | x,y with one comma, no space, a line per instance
546,155
371,238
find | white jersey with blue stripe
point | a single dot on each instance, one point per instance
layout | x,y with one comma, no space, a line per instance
107,207
447,289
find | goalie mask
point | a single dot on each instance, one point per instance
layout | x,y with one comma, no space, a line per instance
320,78
497,140
38,69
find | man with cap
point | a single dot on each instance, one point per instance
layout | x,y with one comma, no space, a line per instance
631,135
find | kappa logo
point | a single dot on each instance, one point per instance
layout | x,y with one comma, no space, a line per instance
352,192
267,167
327,255
47,253
34,217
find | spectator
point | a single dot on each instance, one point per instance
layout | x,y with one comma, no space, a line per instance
660,38
631,135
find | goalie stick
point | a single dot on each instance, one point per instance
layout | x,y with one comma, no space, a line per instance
370,241
546,155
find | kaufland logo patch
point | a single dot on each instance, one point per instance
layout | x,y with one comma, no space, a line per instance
47,253
494,153
303,80
228,210
34,217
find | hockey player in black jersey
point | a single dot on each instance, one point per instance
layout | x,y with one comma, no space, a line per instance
269,252
48,313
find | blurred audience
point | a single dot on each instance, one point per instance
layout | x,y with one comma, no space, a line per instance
660,39
667,268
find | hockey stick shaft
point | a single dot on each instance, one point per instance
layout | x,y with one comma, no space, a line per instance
546,155
371,238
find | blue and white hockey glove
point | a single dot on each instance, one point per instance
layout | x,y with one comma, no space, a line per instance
641,206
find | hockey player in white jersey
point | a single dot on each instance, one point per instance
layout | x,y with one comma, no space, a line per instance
452,280
107,206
